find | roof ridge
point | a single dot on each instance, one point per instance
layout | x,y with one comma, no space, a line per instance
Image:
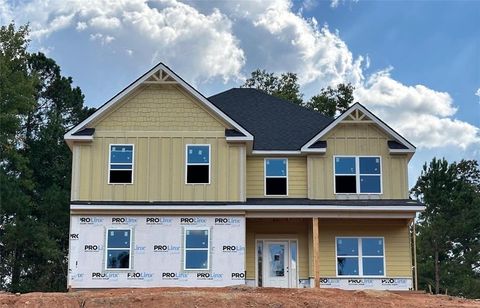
283,100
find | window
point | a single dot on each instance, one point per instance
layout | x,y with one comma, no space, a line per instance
358,175
118,249
121,164
198,164
360,256
276,174
197,249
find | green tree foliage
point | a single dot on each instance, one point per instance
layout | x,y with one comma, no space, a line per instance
332,100
328,102
448,243
38,105
284,86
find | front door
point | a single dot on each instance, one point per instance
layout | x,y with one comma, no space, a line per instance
275,267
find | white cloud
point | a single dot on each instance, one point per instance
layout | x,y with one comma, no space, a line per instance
81,26
422,115
317,54
334,3
277,39
6,14
104,22
202,43
200,46
103,39
46,50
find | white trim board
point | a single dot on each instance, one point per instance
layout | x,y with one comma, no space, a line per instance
375,119
246,207
178,80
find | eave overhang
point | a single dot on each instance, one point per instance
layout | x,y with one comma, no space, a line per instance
292,211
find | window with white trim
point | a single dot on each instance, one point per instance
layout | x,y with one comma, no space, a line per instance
118,249
360,256
276,176
120,169
197,249
198,164
359,174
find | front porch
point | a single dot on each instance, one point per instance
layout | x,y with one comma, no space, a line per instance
306,252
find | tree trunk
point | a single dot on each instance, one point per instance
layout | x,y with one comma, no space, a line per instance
437,271
16,272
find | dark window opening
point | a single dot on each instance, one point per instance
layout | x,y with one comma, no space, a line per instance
276,186
197,174
121,176
118,259
345,184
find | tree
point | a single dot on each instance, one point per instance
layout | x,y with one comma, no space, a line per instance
284,86
332,100
328,102
35,170
449,229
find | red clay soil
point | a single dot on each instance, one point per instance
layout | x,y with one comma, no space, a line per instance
231,297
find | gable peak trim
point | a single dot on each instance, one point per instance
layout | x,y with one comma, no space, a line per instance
159,74
353,112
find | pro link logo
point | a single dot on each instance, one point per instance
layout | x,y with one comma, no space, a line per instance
92,248
104,276
392,281
208,276
91,221
193,221
124,220
228,221
174,276
140,250
77,277
238,276
233,248
355,281
158,221
145,276
166,248
74,236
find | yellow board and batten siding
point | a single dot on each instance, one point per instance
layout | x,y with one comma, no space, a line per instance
297,177
396,242
159,121
357,139
277,229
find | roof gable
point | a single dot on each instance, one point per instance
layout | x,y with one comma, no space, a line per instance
160,74
355,114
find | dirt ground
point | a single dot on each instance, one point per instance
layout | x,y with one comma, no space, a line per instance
231,297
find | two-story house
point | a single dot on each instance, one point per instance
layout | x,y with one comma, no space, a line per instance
170,188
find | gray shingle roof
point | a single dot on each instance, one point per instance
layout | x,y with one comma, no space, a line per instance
85,132
395,145
276,124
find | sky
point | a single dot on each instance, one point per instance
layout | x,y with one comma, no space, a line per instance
415,64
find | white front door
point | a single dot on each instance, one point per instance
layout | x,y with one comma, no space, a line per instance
275,268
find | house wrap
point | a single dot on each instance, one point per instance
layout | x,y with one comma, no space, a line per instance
171,188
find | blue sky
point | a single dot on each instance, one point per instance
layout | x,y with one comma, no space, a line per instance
416,64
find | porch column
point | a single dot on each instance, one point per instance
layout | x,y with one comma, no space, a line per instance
316,252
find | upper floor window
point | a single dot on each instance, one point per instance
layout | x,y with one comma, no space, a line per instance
197,249
276,177
198,164
118,248
360,256
121,164
358,175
